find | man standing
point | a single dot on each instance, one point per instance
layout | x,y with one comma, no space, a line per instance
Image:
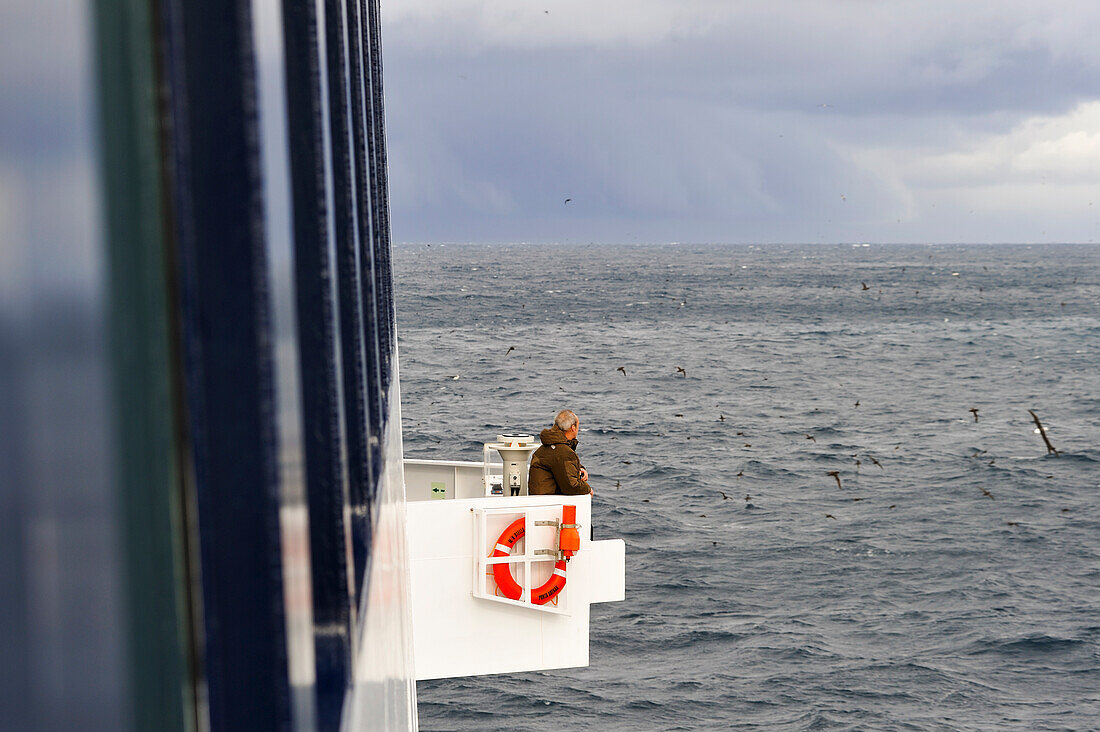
555,467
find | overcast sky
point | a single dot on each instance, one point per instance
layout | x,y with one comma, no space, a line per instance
743,121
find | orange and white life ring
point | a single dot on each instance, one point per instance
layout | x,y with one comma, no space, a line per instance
503,574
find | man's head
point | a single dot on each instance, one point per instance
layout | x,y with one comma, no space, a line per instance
568,423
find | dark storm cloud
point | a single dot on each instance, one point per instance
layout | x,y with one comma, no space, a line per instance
497,147
710,123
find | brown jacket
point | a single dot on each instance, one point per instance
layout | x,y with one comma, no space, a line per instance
555,467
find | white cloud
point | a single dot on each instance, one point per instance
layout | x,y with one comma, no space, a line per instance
1062,149
1039,181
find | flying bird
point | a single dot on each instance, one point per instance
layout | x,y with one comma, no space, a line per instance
974,411
987,493
618,485
835,474
811,437
1043,432
724,496
865,287
621,369
857,402
748,497
721,418
680,369
876,462
567,201
829,515
510,349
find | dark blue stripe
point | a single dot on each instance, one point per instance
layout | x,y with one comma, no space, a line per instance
317,352
349,274
381,206
225,324
365,193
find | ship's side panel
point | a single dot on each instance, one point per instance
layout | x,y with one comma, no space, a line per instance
318,347
216,542
343,433
384,692
383,695
230,450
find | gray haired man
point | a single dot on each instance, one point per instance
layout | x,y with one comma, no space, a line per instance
555,467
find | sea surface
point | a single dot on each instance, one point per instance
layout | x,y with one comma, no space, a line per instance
951,580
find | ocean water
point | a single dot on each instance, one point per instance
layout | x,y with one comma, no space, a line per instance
951,580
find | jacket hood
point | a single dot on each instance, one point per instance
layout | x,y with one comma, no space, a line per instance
553,436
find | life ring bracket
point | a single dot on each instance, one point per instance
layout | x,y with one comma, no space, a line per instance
507,577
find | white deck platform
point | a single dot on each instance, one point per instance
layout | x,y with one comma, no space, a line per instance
456,633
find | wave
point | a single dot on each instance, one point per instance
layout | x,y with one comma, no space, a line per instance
1029,646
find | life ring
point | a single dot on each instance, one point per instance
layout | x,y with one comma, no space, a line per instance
502,573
